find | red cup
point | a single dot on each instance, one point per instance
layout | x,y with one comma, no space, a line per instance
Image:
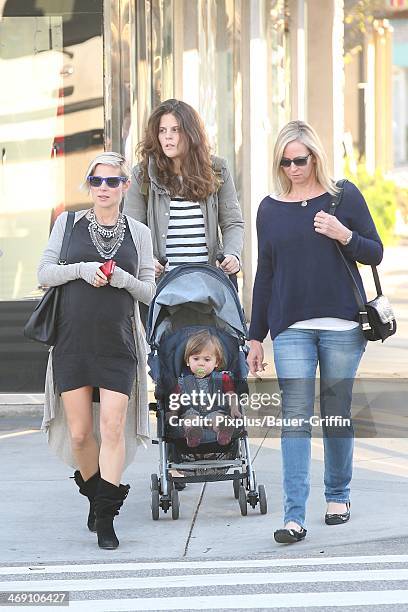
108,268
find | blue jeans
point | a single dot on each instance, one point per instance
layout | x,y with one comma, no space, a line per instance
297,353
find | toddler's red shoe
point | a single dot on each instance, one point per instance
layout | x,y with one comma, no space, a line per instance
224,436
193,436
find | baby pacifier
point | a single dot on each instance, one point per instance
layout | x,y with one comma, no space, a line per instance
200,372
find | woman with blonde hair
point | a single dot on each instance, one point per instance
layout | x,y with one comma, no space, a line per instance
99,354
303,296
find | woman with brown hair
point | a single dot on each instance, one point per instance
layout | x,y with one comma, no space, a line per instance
184,194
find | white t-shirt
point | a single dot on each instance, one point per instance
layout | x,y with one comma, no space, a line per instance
328,323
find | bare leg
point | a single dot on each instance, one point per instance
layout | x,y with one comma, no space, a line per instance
113,420
78,410
293,525
336,508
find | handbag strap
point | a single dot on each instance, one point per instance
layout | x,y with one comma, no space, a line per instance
67,237
337,199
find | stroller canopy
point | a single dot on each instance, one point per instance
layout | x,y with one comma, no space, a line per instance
194,294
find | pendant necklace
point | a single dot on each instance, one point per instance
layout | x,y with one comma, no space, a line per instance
106,241
304,203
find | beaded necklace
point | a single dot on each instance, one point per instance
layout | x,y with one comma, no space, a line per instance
106,241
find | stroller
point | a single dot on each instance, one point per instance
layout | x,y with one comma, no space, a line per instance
190,298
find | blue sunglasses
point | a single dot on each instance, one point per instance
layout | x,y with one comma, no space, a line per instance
111,181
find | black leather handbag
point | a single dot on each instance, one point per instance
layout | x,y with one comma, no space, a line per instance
42,324
376,317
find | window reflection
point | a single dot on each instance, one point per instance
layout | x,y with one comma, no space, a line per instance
208,65
140,76
278,68
51,124
162,50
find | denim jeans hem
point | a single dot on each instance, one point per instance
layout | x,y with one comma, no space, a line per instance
338,501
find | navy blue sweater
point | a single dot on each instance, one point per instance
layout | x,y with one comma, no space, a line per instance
300,273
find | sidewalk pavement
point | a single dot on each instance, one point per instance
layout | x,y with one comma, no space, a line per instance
44,517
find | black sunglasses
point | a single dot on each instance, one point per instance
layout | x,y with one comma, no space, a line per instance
111,181
298,161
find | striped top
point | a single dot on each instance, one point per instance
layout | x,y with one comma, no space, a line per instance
186,234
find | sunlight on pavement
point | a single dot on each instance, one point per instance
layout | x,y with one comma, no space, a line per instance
379,457
19,433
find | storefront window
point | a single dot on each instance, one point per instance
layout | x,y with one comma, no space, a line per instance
140,75
279,69
150,60
162,51
207,50
51,125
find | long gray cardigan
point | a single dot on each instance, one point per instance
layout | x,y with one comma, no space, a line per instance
141,288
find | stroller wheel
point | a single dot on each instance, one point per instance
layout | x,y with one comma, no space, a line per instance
175,505
242,499
154,482
155,505
236,485
263,503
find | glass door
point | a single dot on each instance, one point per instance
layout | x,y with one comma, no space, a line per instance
51,125
31,62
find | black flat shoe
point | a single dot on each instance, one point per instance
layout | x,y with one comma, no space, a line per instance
289,536
338,519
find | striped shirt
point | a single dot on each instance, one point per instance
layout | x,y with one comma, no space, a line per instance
186,234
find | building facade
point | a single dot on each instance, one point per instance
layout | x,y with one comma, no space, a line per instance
84,75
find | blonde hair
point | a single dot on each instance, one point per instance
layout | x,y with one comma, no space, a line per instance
304,133
109,158
201,340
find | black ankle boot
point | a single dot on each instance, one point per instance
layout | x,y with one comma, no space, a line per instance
109,499
88,488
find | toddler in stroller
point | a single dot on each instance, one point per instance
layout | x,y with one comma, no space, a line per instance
197,303
206,397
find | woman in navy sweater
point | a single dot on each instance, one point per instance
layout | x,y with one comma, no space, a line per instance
303,296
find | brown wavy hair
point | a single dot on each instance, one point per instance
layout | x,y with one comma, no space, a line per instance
199,178
205,340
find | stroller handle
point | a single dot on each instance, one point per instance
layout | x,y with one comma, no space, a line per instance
163,260
232,277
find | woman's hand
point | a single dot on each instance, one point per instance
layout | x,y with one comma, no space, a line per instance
234,404
235,411
158,268
330,226
89,271
255,357
100,280
230,265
